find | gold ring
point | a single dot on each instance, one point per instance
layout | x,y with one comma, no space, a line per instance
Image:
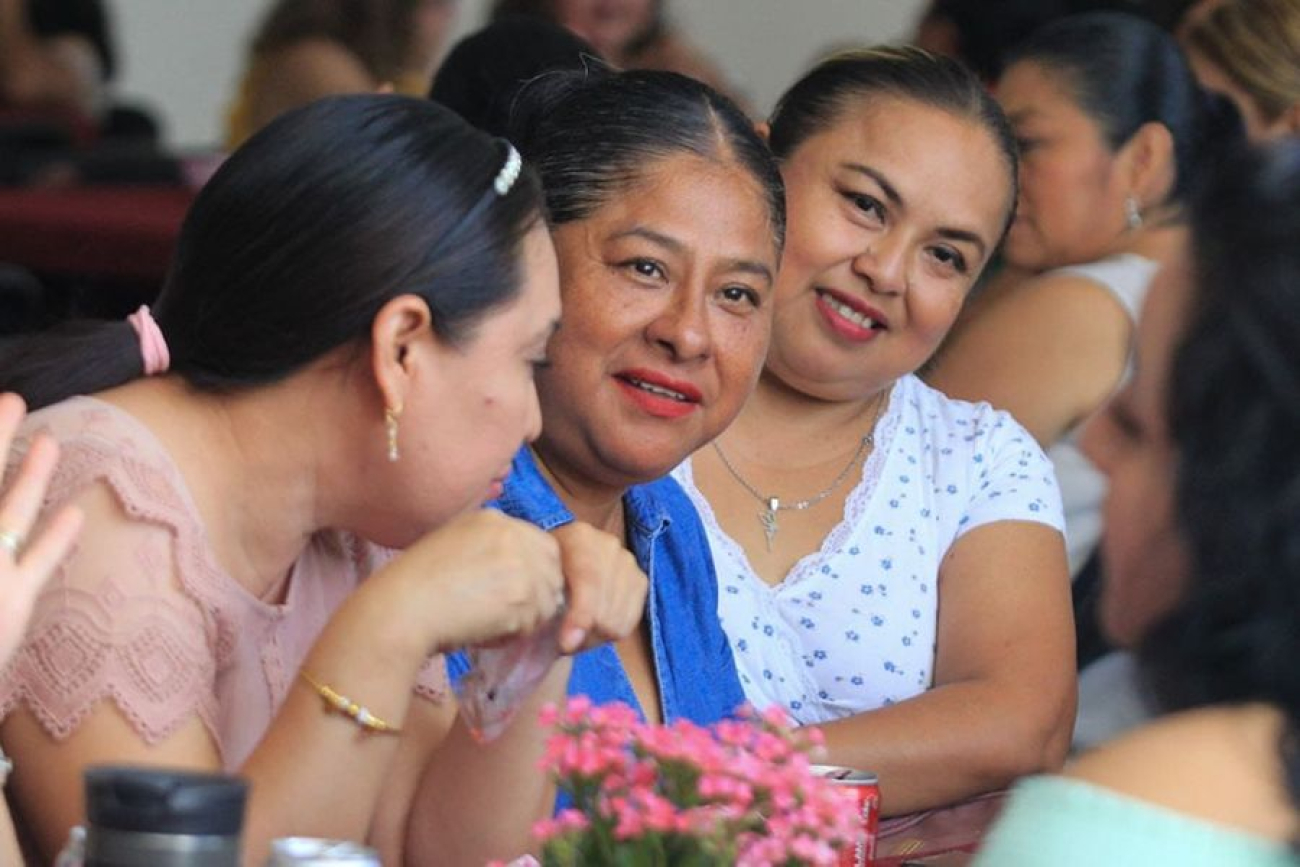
11,542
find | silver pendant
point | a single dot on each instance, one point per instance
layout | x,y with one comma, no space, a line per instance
767,518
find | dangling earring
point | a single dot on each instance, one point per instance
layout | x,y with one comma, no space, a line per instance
1132,213
391,415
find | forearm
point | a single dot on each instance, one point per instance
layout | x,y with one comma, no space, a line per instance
955,741
478,802
317,773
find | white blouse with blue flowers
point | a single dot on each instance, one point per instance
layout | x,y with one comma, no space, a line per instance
852,627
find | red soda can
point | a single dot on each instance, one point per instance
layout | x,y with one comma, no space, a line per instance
866,788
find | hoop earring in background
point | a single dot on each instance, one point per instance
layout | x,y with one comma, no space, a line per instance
391,415
1132,213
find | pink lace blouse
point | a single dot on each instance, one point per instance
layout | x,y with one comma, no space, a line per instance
142,614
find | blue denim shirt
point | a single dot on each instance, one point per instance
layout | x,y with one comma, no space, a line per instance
692,660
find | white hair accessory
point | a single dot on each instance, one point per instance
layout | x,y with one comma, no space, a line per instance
509,172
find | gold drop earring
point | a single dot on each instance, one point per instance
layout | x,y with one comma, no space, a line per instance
391,415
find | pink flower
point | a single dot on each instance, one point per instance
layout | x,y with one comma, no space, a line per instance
738,792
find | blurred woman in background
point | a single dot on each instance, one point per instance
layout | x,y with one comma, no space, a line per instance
1113,131
630,34
1249,51
306,49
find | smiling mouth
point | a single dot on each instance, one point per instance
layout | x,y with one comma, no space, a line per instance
657,390
843,310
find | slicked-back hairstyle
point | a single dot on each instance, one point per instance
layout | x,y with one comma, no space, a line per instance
1124,72
300,238
816,102
592,134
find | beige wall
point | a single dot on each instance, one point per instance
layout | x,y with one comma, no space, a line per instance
763,45
182,57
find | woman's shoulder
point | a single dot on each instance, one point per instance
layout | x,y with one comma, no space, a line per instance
1124,279
1218,764
665,501
1069,822
98,439
978,461
928,413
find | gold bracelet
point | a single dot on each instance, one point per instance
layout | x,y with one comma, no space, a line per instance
349,708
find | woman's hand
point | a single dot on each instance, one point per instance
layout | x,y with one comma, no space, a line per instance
606,589
482,577
26,560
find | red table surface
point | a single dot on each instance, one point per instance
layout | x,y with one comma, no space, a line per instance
125,233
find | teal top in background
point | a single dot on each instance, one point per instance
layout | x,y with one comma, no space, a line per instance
1062,822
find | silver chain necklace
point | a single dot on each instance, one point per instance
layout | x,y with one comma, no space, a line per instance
772,505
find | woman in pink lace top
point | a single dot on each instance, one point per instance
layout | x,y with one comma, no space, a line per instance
342,360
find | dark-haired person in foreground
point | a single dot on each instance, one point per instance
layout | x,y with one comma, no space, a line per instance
341,363
1202,449
668,215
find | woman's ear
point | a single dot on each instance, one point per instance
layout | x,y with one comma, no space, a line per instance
1151,164
764,130
395,335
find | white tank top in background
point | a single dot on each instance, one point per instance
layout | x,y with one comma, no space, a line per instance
1083,487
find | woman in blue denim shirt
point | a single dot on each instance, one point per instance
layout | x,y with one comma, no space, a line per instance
667,214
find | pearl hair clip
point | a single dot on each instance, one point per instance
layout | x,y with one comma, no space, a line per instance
509,172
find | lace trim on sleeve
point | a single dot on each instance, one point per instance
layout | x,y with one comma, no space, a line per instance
132,615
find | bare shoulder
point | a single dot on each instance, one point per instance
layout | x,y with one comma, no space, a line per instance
1049,350
1061,297
1219,764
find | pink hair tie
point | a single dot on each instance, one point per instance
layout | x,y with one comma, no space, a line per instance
153,347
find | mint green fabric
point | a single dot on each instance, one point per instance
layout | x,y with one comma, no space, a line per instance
1060,822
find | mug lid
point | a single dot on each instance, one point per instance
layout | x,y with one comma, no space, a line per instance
159,801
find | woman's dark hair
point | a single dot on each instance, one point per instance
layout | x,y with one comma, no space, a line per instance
378,32
484,72
817,100
1124,72
546,9
300,238
593,134
1234,414
987,29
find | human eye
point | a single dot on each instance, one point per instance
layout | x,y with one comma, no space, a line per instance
645,269
738,294
866,203
950,258
539,364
